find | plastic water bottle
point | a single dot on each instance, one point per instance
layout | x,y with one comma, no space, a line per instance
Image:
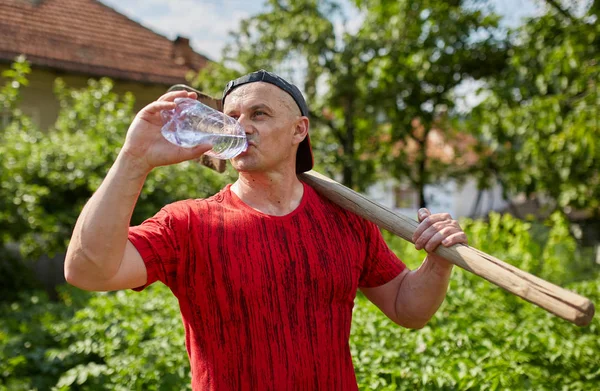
193,123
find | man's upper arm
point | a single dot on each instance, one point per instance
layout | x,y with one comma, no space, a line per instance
384,296
131,274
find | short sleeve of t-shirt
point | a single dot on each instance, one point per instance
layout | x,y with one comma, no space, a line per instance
160,242
381,264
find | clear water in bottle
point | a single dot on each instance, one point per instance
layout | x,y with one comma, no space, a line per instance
193,123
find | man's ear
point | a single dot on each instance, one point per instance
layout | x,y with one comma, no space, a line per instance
301,129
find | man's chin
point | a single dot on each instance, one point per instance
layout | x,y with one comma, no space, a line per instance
243,163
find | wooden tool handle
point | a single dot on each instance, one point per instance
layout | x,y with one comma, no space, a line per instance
561,302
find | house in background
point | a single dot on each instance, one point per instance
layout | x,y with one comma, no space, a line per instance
81,39
460,199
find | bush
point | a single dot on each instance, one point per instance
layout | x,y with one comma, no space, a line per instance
116,341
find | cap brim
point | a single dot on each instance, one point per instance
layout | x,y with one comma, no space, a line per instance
304,156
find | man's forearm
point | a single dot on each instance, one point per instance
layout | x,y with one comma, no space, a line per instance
100,235
422,291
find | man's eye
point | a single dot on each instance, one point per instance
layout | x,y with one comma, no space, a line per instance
259,113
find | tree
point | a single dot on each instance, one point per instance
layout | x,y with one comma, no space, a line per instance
542,115
368,83
426,49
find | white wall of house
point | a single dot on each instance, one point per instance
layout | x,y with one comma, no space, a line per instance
465,199
456,199
385,193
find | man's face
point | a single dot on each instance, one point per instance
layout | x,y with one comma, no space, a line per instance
273,124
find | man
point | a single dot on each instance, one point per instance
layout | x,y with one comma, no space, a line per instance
266,271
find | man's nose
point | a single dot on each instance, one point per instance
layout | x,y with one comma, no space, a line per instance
246,124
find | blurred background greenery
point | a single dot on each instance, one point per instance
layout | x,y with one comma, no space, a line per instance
376,92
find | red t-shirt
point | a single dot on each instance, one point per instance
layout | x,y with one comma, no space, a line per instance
266,300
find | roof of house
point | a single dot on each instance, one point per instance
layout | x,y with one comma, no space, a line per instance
86,36
444,145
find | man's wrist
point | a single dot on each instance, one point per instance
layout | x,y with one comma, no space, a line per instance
131,166
438,264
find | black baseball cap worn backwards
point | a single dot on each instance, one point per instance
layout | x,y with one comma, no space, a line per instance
304,156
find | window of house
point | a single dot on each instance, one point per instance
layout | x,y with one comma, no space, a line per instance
405,197
5,118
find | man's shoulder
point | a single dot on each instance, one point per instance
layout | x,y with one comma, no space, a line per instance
318,200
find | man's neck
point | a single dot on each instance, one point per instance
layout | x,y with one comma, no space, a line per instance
275,194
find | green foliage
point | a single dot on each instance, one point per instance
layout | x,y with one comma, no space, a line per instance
482,338
213,78
9,93
547,251
542,117
117,341
46,177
